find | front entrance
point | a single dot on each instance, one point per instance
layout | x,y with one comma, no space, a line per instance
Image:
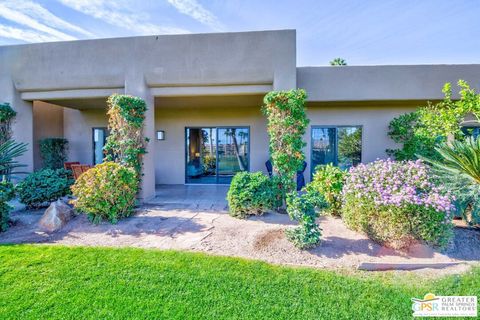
215,154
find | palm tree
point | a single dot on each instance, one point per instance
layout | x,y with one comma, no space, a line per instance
459,170
8,152
338,62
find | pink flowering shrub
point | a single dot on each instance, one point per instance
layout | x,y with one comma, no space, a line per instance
396,203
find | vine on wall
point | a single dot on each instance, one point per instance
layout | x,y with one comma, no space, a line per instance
126,144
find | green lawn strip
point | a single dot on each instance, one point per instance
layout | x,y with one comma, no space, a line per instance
58,282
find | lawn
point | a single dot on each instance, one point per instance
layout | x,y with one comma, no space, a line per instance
54,282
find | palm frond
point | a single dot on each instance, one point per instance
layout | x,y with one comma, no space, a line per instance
9,151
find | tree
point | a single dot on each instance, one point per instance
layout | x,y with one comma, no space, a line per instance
338,62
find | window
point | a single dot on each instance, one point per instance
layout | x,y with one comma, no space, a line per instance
339,145
99,139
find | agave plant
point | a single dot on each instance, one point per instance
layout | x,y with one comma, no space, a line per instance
9,151
459,170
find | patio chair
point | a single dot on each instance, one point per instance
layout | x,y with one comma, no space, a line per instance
77,170
68,165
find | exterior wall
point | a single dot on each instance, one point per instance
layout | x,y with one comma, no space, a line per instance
170,153
387,83
374,118
47,123
77,128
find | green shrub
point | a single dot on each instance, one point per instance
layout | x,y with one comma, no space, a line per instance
396,203
53,152
328,181
7,193
253,194
44,186
7,116
301,208
107,191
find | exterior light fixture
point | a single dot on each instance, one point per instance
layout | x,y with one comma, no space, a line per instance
160,135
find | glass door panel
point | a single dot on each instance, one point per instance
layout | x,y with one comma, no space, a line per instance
201,155
349,147
99,139
215,155
233,153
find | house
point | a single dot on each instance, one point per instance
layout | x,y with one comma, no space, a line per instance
204,93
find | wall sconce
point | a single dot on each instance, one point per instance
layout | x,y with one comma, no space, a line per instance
160,135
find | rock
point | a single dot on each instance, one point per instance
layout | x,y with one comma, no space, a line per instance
56,216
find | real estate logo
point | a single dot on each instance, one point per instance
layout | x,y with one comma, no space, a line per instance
444,306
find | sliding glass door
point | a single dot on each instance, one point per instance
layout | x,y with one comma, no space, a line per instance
216,154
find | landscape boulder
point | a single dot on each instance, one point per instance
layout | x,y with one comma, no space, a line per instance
56,216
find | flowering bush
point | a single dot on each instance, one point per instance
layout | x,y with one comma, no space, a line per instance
107,191
396,203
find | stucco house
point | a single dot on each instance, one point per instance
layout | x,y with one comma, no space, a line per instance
204,93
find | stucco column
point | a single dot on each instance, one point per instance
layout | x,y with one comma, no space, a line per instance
23,123
136,86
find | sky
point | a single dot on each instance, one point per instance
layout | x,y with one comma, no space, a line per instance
363,32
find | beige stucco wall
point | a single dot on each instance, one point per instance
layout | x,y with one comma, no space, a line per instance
77,128
170,153
47,123
374,118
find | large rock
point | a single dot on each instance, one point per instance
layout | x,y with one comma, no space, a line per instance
56,216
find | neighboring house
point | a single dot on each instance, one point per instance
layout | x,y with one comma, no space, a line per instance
204,93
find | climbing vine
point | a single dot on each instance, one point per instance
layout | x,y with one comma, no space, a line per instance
286,124
126,143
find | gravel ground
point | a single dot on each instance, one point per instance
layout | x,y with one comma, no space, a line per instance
214,231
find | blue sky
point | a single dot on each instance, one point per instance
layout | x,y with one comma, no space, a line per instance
363,32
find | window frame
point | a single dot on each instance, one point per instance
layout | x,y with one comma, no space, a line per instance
336,127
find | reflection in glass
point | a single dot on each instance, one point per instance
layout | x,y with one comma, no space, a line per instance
216,160
99,139
340,146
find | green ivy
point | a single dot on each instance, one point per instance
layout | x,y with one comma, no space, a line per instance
287,123
126,143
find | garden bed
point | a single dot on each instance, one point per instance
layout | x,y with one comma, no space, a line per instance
259,238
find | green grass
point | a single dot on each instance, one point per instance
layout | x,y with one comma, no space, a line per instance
53,282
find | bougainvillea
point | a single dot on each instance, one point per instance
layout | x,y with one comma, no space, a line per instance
396,202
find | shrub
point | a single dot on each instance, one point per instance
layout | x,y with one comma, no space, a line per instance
7,193
459,172
328,181
395,203
53,152
302,209
44,186
107,191
253,194
287,122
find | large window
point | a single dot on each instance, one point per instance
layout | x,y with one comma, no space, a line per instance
339,145
215,155
99,139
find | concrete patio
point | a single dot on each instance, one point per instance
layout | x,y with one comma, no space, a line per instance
191,197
